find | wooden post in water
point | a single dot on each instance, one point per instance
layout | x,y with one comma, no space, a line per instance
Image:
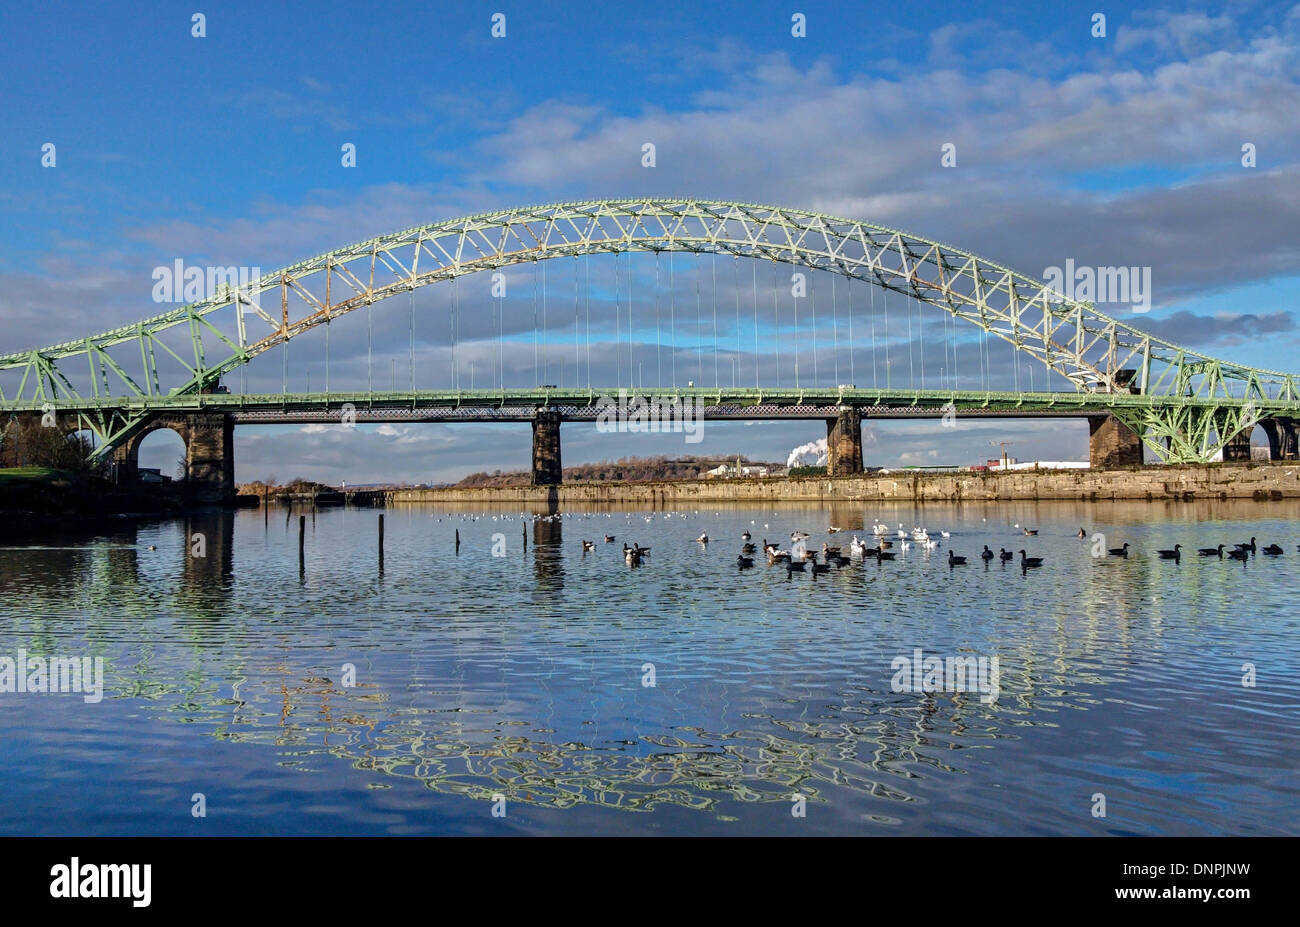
458,541
302,540
525,537
381,542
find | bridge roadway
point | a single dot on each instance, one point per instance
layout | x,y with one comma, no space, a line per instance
205,421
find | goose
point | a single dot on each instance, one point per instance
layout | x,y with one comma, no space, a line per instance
1211,551
1239,554
885,555
769,548
1082,533
703,538
840,562
1175,554
799,535
778,556
747,549
1273,550
1031,532
954,560
832,529
745,536
986,554
820,567
744,562
929,544
885,545
1247,547
1119,551
609,539
588,545
631,556
828,551
1028,562
857,548
793,565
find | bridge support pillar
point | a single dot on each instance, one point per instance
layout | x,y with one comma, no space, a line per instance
1283,438
546,448
1112,444
1238,448
210,458
844,443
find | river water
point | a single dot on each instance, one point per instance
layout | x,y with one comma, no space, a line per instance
498,690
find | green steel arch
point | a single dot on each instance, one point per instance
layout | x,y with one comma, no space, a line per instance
1195,402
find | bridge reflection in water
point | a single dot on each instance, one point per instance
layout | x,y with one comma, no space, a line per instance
479,676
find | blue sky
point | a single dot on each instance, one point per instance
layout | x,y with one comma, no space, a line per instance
226,149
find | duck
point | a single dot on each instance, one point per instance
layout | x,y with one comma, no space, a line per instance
1082,533
799,535
828,551
1004,555
1119,551
793,565
885,555
747,549
769,548
986,554
831,529
945,534
1028,562
820,567
954,560
929,544
1031,532
745,536
904,545
631,556
703,538
1239,554
1175,554
885,545
1247,547
1211,551
840,562
778,556
1273,550
744,562
609,539
588,545
857,548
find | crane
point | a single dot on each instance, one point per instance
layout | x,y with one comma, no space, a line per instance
1003,445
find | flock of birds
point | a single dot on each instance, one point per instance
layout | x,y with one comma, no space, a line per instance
800,558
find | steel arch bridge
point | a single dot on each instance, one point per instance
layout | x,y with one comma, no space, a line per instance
1185,405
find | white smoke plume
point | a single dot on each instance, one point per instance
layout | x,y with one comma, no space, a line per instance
808,455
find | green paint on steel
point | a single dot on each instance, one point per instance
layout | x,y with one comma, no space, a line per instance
1188,404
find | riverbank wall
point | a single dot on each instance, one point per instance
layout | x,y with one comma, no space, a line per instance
1257,482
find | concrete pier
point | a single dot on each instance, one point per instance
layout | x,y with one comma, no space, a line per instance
547,468
1112,444
844,443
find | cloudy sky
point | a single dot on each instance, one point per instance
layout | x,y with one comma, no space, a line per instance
1167,143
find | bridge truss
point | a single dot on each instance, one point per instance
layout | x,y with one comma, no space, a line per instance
1184,404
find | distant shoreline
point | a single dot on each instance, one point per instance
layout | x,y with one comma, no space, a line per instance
1257,482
